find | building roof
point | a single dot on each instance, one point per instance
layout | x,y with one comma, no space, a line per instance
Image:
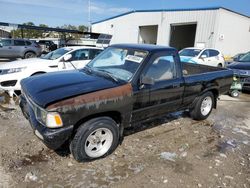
170,10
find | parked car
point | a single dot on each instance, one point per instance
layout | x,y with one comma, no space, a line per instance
47,46
204,56
90,108
234,58
241,69
61,59
19,48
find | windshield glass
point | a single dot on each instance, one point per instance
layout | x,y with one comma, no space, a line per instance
56,54
119,63
190,52
245,58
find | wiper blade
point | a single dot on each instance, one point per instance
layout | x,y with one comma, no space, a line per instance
109,74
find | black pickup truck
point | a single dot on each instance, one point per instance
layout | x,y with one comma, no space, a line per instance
127,84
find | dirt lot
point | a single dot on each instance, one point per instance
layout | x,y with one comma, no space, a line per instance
175,151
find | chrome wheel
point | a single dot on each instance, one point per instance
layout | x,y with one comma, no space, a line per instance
98,142
206,105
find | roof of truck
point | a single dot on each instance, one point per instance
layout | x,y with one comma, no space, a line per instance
144,47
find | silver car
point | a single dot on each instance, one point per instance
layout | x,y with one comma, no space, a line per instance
19,48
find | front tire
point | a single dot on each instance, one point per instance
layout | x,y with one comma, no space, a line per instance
235,93
95,139
203,106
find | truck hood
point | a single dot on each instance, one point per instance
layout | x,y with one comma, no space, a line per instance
24,63
53,87
239,65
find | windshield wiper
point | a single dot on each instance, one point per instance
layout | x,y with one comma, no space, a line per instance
109,74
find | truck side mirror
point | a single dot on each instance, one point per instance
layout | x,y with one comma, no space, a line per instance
147,80
67,57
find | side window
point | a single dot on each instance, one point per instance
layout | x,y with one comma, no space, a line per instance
19,43
5,42
213,53
80,55
94,53
205,54
163,68
28,43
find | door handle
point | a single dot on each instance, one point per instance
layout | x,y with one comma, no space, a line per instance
10,47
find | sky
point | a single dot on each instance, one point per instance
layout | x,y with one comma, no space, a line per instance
75,12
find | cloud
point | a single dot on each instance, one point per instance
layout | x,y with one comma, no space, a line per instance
102,8
72,5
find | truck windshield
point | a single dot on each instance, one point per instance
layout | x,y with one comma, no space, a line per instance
245,58
117,62
56,54
190,52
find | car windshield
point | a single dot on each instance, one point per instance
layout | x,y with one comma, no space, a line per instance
245,58
190,52
56,54
118,63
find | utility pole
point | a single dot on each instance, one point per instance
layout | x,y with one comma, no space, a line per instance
89,19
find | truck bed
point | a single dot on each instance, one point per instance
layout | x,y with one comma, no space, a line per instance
192,69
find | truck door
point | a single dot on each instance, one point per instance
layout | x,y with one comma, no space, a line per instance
165,94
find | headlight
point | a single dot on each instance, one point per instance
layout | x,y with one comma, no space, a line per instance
13,70
49,119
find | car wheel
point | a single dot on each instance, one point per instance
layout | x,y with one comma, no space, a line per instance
235,93
219,65
95,139
29,55
203,106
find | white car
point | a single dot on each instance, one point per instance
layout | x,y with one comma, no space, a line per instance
204,56
66,58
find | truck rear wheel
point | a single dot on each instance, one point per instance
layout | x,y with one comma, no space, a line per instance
203,106
95,139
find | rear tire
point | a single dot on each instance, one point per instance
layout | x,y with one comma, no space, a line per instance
219,65
203,106
28,55
95,139
235,93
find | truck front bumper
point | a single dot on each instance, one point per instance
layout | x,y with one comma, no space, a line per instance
52,138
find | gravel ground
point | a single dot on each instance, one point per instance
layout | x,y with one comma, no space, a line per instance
174,151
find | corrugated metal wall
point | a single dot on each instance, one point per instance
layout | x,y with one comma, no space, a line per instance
210,24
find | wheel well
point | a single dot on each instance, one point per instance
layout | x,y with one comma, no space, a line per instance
116,116
30,51
38,73
216,95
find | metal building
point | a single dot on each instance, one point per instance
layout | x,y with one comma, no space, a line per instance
214,27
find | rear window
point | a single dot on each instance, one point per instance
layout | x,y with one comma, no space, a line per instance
190,52
19,43
28,43
213,53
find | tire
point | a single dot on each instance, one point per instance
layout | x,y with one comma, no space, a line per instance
219,65
235,93
203,106
28,55
95,139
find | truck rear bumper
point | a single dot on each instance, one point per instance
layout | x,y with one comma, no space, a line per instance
52,138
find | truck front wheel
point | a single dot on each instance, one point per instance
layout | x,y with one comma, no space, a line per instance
203,106
94,139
